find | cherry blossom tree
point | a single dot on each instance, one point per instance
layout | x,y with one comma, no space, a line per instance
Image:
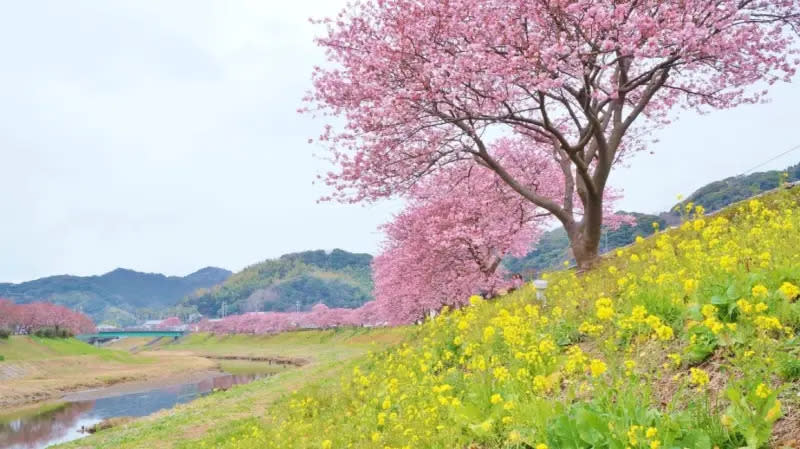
28,318
422,84
170,323
460,223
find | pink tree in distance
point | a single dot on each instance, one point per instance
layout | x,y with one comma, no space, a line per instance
28,318
422,84
170,323
320,317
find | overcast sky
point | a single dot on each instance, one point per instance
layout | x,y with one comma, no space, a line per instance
162,136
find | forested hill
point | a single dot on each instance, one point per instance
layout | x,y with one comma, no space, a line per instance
299,280
120,297
719,194
553,248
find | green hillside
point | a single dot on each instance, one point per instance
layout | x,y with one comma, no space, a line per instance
720,194
120,297
336,279
553,248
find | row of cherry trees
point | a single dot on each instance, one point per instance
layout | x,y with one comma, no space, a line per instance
320,317
26,319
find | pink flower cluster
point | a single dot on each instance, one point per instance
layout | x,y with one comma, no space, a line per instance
28,318
421,82
320,317
170,323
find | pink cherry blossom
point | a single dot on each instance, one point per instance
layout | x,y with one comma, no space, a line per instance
170,323
320,317
460,223
28,318
419,85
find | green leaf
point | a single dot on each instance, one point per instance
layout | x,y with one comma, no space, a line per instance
590,426
718,300
733,293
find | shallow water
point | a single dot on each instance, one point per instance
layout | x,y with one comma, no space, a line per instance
65,424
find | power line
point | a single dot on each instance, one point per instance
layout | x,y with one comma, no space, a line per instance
794,148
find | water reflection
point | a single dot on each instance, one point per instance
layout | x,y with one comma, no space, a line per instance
65,424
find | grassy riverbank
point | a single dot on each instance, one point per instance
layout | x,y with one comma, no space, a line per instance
325,353
41,369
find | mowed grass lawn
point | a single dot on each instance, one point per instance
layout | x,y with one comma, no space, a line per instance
327,353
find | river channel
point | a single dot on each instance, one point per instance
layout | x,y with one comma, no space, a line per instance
68,421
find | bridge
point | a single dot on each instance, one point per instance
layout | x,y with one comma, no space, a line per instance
109,335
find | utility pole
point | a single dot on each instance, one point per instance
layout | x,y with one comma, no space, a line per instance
297,306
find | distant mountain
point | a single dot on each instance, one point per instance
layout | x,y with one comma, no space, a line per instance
120,297
553,248
293,281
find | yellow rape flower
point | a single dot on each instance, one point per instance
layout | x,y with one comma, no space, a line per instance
633,435
774,412
501,373
763,391
496,399
759,291
665,333
745,306
698,377
488,333
789,291
597,367
709,311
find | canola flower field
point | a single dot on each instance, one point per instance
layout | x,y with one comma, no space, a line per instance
684,340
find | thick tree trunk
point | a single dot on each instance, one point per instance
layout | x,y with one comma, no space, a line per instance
584,237
585,251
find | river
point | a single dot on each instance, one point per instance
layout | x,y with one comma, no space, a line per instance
66,422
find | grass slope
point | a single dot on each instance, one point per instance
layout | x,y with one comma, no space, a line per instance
686,339
23,348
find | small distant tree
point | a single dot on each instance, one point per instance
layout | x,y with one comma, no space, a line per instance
422,84
170,323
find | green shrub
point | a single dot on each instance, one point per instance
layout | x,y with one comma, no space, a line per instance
2,358
4,333
53,332
790,368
